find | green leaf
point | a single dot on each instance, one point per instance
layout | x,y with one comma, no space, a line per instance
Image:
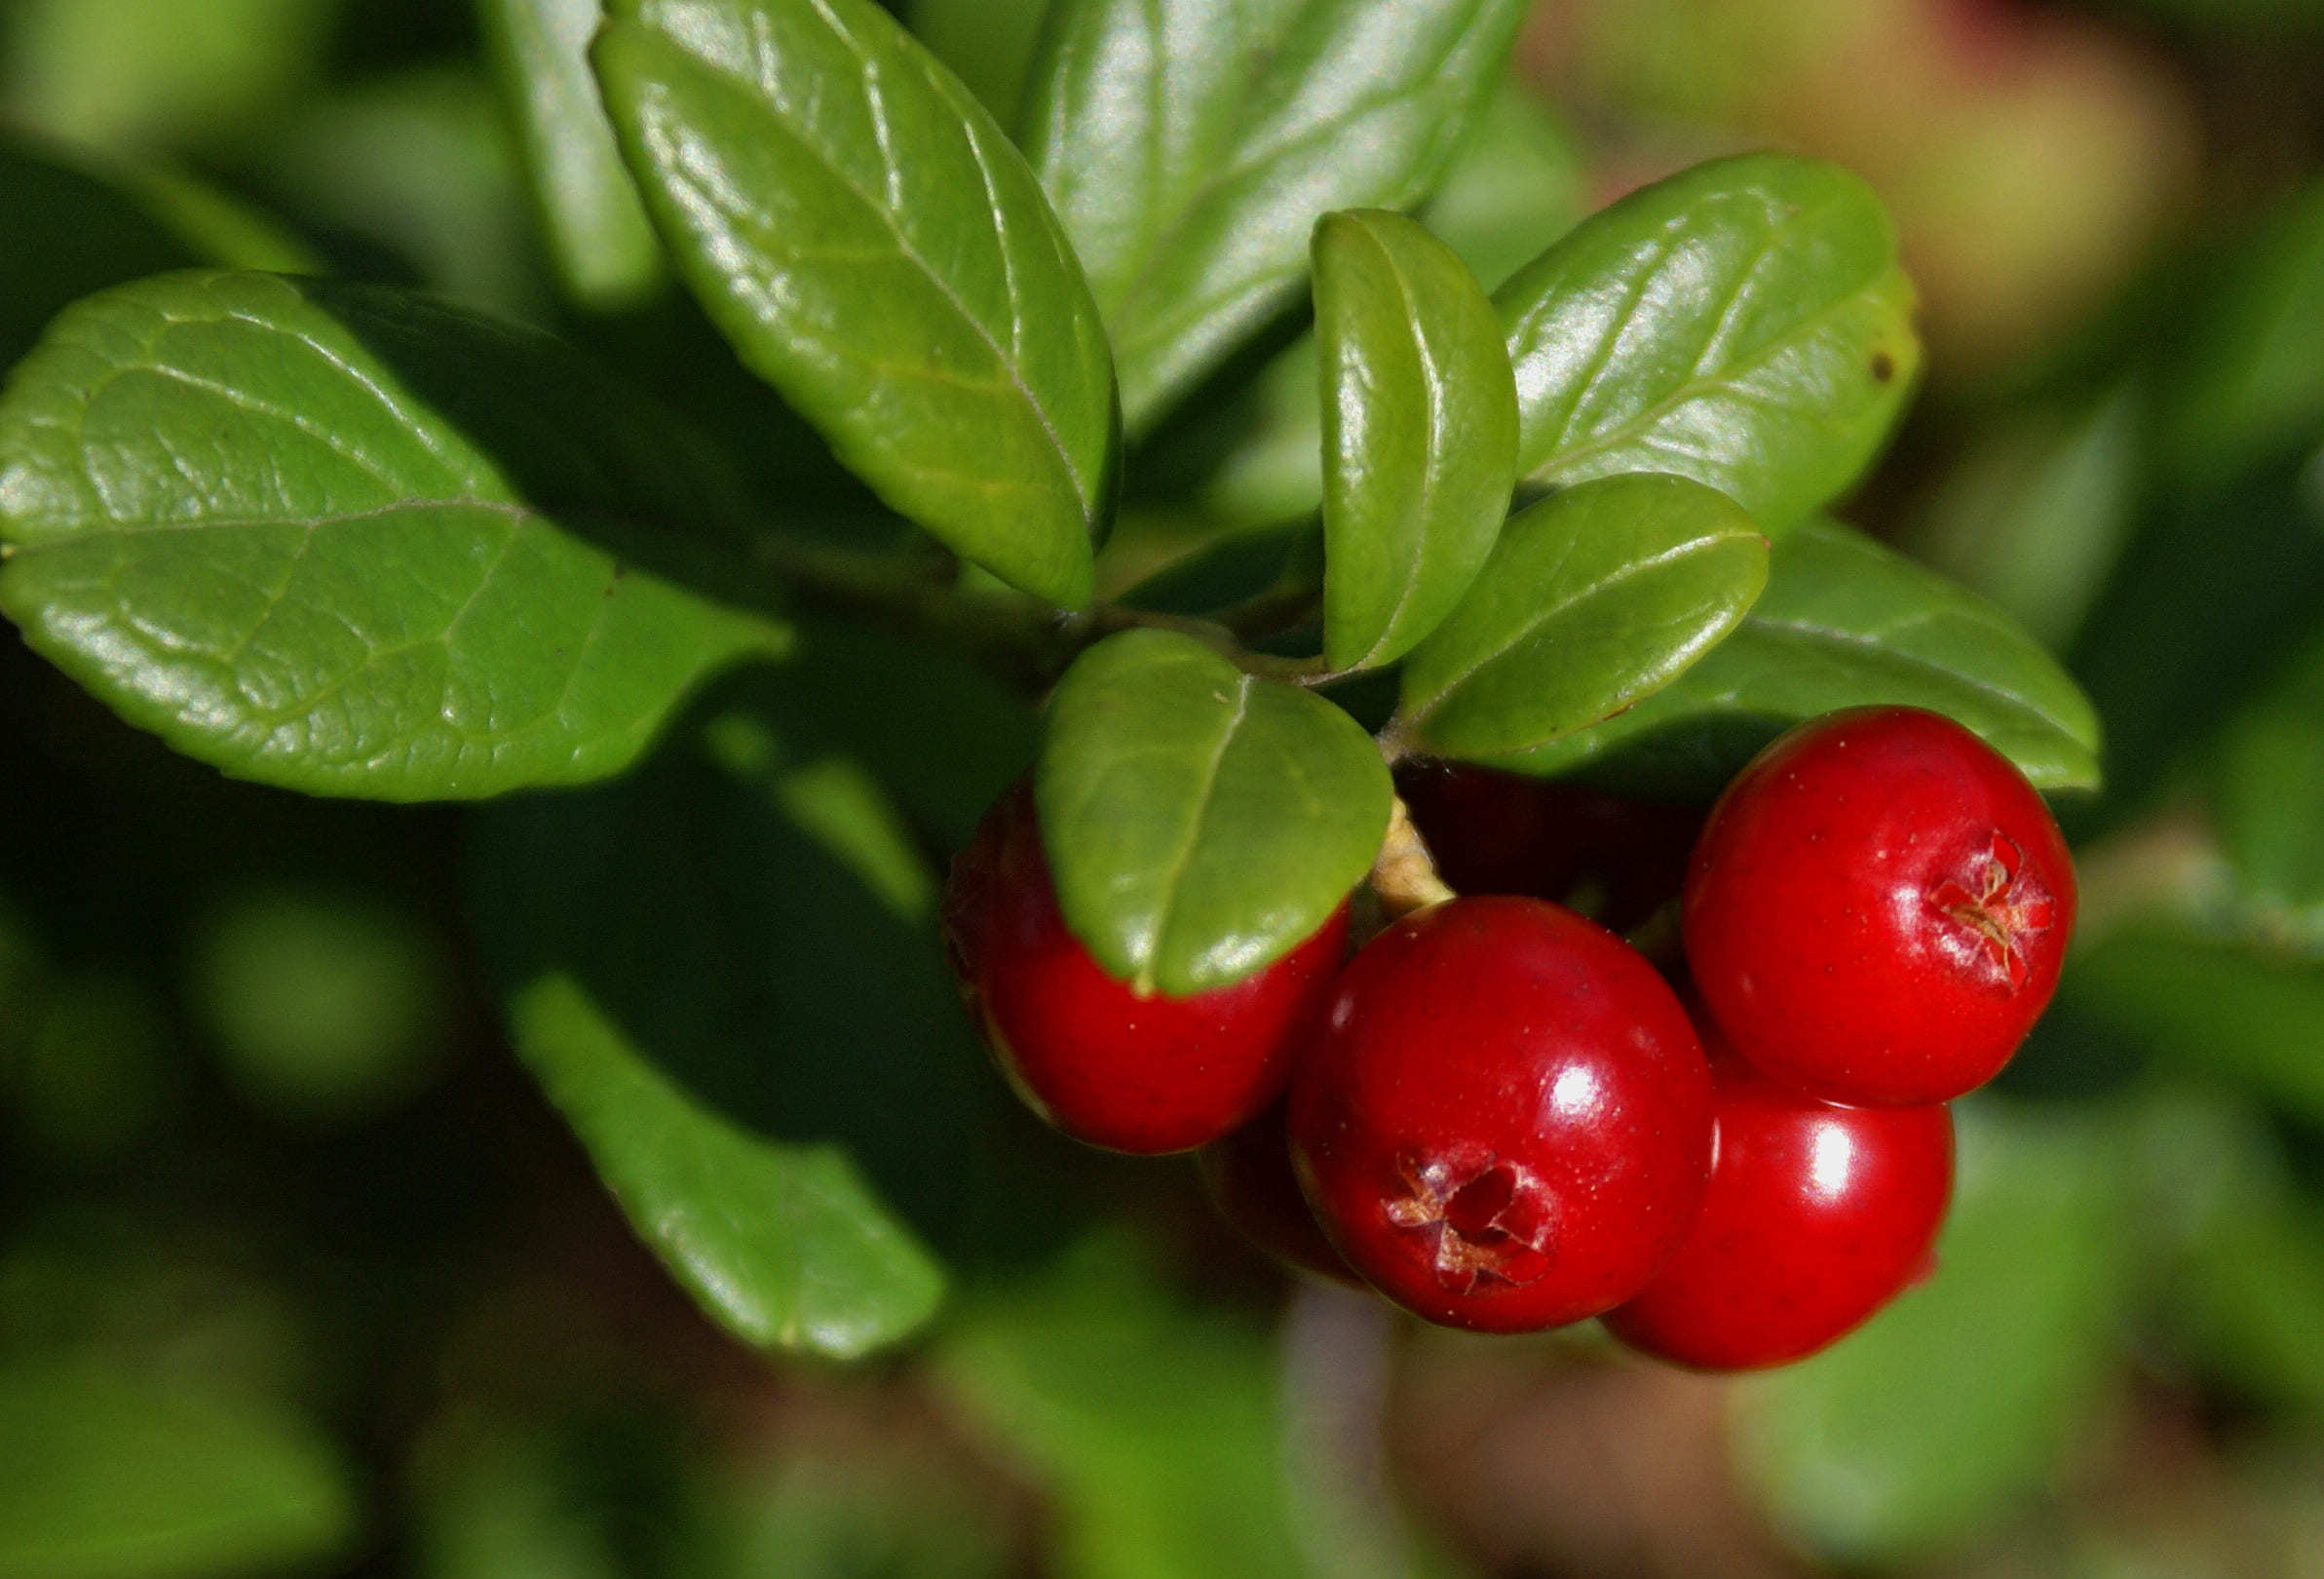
1152,1423
1844,623
1190,145
1515,187
726,975
876,248
1200,822
988,44
330,537
1594,599
1744,324
1962,1401
599,235
1420,432
113,1475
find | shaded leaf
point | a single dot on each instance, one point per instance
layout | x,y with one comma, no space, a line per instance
1844,623
1420,432
725,972
1200,822
1951,1408
112,1475
878,250
332,537
1594,599
1743,323
597,233
1190,145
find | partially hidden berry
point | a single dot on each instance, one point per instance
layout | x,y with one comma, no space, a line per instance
1145,1074
1877,909
1817,1216
1248,1177
1504,1123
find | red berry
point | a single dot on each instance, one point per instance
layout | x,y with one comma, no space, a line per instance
1494,832
1877,907
1504,1121
1249,1179
1815,1217
1105,1066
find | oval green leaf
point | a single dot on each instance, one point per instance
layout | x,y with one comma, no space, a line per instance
1420,432
876,248
115,1475
597,233
1189,145
1593,600
330,537
1845,622
1744,324
1200,821
725,972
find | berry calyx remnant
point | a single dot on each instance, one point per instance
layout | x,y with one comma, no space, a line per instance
1878,908
1504,1122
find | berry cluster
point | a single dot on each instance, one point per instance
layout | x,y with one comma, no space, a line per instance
1504,1117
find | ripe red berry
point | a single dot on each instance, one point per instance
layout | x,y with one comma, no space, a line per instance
1249,1179
1105,1066
1494,832
1504,1121
1877,907
1817,1216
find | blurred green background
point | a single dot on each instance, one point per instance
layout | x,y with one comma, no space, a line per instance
298,1274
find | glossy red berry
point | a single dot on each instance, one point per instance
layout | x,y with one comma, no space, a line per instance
1877,907
1817,1216
1248,1177
1504,1123
1492,832
1139,1074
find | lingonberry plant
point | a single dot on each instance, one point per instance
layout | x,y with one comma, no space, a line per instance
349,540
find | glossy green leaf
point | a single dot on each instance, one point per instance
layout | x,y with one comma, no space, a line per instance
1515,187
1188,146
878,250
1200,822
1595,598
599,235
1744,324
988,44
1153,1423
113,1475
725,972
1959,1403
352,542
1844,623
1420,432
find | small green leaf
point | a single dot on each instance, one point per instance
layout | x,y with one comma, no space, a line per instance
332,537
876,248
113,1475
597,232
725,972
1200,822
1962,1399
1594,599
1188,146
1744,324
1420,432
1845,622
